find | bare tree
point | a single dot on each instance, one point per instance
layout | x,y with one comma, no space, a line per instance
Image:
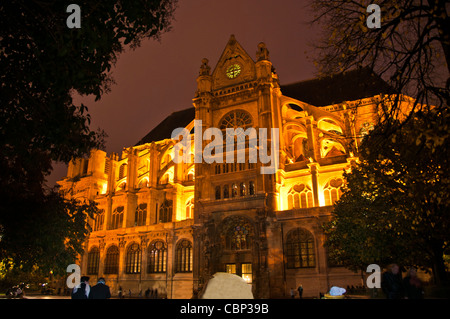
410,50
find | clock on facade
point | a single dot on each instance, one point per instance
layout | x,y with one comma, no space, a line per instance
233,71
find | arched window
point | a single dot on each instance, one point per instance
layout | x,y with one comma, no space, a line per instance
300,249
251,188
242,189
165,212
238,232
234,190
93,261
184,256
140,216
133,259
99,220
300,196
157,257
117,218
123,170
235,119
218,192
112,260
332,191
190,208
143,183
190,175
226,191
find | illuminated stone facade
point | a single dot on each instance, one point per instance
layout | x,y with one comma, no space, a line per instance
169,226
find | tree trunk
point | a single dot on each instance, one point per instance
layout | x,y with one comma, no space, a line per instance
439,271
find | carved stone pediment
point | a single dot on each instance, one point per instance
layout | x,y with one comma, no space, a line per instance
235,66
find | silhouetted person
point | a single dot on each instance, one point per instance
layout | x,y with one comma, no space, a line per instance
300,291
82,290
413,285
100,290
391,282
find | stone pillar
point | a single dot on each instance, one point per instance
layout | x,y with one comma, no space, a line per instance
122,257
275,259
314,169
102,257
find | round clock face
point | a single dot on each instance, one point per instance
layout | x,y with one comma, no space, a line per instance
233,71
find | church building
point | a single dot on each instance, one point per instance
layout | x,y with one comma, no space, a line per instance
169,225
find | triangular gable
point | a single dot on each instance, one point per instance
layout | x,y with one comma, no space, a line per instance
233,54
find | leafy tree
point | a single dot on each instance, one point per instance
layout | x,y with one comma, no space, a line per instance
396,205
43,63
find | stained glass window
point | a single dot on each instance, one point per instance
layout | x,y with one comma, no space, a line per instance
238,235
140,215
190,208
235,119
184,256
234,190
226,191
112,260
99,220
300,249
165,212
93,261
332,191
251,188
117,218
157,257
300,196
133,260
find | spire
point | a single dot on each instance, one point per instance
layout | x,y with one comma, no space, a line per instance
262,53
205,69
232,40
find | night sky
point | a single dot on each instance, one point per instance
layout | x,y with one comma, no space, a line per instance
159,78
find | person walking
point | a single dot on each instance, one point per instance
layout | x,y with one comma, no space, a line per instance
391,282
100,290
413,285
292,293
300,291
82,290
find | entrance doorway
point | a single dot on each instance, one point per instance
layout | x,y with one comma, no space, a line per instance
243,270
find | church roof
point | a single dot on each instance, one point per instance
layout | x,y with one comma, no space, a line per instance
348,86
164,129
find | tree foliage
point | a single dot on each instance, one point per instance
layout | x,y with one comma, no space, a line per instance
43,63
396,205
